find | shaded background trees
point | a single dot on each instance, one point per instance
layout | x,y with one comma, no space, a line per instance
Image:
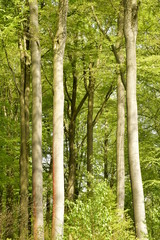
85,45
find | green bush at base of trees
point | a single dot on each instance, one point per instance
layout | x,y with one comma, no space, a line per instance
94,216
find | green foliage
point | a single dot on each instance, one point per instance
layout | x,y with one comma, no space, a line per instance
91,216
94,216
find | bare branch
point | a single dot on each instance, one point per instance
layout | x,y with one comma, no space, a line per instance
80,105
110,91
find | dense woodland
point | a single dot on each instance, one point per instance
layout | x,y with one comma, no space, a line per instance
79,119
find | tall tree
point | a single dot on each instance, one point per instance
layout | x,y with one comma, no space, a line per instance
90,123
120,116
24,155
72,128
58,132
130,29
24,113
72,125
37,179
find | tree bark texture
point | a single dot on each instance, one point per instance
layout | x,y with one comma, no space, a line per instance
131,11
37,179
58,132
24,155
120,144
120,117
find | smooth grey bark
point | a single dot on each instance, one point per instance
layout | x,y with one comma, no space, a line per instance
130,29
120,144
120,117
58,132
37,178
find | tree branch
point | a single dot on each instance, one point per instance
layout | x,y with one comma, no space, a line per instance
80,105
84,73
9,65
114,50
110,91
65,87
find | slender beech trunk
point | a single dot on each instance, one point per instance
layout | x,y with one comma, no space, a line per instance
120,117
23,162
130,27
120,145
49,191
37,179
106,153
90,124
72,161
27,114
49,182
58,132
72,128
24,109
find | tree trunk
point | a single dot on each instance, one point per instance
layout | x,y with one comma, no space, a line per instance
1,210
120,118
120,145
130,28
49,191
23,162
24,156
106,154
72,127
90,124
58,111
30,214
9,226
37,179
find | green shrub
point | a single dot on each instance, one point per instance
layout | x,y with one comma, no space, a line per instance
94,216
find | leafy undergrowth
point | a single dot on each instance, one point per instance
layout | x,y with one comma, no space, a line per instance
95,217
